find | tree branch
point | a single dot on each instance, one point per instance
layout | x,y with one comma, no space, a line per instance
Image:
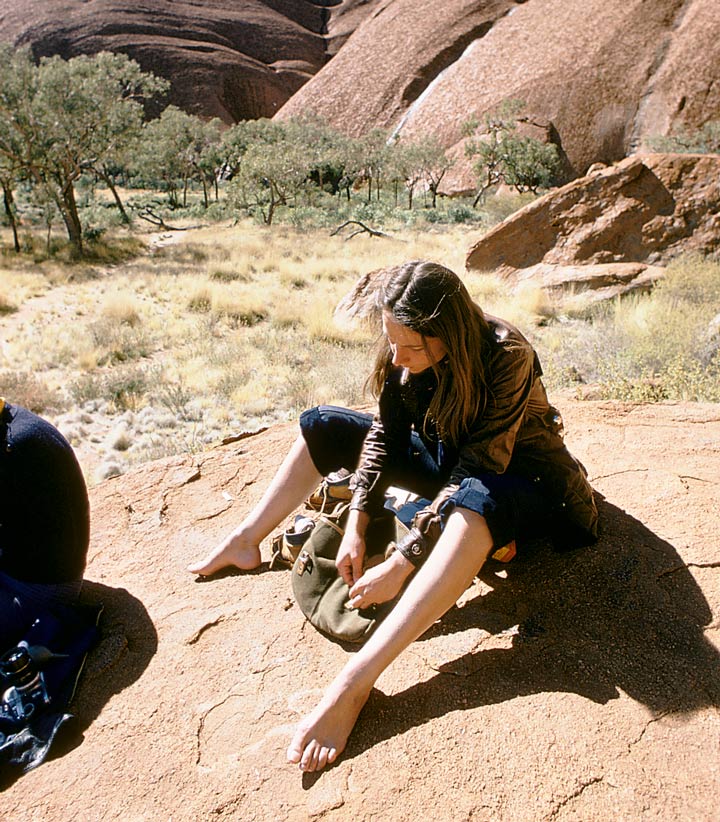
362,229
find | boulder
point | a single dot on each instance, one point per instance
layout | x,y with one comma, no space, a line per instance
555,690
607,74
595,282
646,209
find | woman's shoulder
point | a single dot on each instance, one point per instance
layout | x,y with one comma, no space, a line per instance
511,352
504,333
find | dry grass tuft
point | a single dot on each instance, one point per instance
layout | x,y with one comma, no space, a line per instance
121,308
31,392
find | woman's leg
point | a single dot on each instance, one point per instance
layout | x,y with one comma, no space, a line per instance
459,554
330,438
294,480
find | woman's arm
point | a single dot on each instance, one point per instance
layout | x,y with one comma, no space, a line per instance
389,433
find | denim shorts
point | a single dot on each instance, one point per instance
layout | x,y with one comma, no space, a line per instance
514,506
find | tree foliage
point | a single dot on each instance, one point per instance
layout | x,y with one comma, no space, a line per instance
273,169
61,119
177,148
65,125
502,155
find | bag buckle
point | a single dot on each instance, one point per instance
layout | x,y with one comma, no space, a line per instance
304,563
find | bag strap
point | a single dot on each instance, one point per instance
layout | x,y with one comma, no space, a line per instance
333,519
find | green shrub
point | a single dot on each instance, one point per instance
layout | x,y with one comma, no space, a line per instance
461,213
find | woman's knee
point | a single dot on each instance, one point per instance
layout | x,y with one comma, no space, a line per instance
334,436
464,526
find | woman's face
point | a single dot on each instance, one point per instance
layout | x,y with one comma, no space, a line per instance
409,349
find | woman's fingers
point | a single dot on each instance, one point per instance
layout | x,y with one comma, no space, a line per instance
344,567
357,566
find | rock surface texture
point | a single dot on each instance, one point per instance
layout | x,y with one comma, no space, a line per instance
224,59
607,74
606,230
565,687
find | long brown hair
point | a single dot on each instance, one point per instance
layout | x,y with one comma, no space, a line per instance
433,301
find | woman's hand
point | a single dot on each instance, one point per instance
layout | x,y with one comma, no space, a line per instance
381,583
351,553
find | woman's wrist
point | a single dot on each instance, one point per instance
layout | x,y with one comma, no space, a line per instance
357,522
400,563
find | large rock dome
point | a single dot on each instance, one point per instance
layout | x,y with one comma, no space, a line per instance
608,74
601,77
233,60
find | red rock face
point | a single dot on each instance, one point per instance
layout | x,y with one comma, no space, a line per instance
608,74
227,59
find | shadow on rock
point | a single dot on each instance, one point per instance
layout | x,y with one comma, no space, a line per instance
624,614
128,641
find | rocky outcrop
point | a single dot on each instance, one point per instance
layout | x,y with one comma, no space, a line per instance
644,210
224,59
594,282
608,74
555,691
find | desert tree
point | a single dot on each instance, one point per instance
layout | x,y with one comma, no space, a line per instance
18,82
530,164
271,174
419,161
376,152
501,155
351,159
404,166
435,163
178,148
325,147
237,140
64,118
9,178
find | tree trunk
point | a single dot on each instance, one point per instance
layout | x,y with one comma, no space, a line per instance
105,177
10,211
68,208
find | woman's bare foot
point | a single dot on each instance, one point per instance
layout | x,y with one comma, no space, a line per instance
321,737
235,550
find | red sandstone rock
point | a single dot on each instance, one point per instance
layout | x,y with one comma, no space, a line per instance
608,74
645,209
600,76
233,60
555,691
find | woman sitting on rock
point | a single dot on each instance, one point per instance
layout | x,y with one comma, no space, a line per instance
44,521
463,420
